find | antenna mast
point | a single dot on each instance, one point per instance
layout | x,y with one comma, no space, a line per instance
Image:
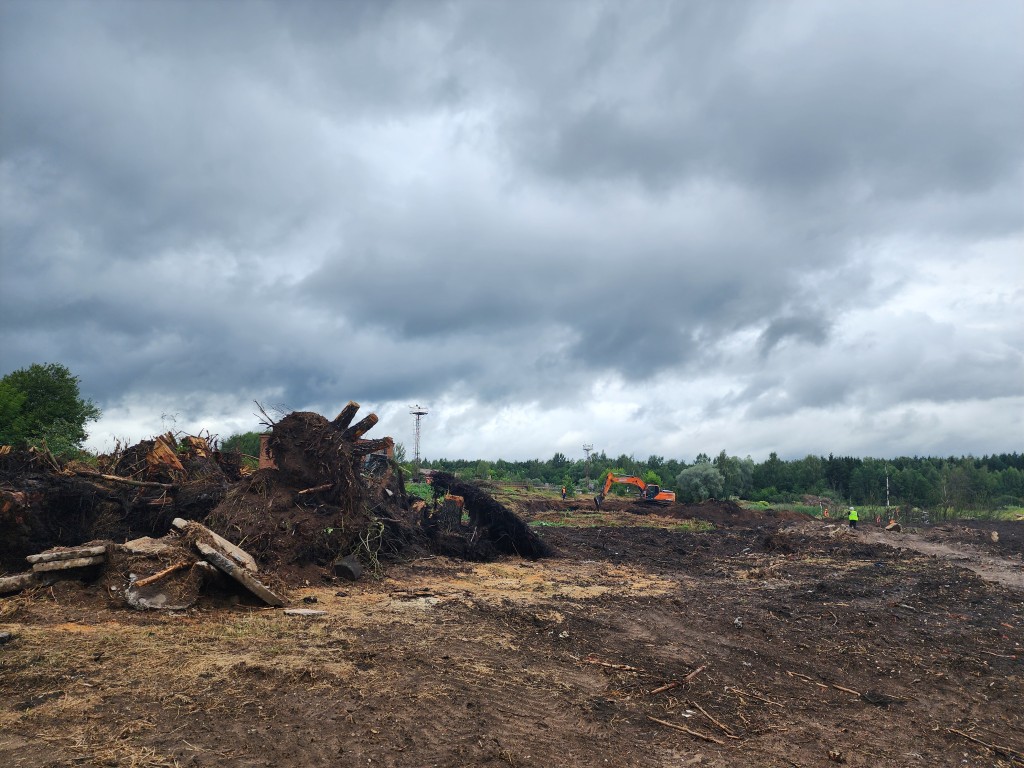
418,411
587,448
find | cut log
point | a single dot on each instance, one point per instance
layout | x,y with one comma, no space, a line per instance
68,554
360,428
66,565
235,553
239,574
364,447
343,419
17,583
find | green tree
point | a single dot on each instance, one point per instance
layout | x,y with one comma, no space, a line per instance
43,403
246,443
653,478
699,482
738,474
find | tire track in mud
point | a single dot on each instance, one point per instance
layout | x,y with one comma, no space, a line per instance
1006,571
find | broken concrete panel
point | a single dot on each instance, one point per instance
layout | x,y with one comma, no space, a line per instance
155,599
239,555
68,554
66,565
239,574
310,612
146,546
17,583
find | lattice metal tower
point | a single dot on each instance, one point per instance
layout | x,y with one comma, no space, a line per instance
419,412
587,448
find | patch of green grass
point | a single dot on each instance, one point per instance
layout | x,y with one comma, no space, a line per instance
617,520
423,490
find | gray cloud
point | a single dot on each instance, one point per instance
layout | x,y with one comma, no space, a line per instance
516,207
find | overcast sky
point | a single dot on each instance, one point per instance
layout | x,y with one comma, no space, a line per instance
654,227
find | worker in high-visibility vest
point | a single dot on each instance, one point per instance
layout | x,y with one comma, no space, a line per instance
853,517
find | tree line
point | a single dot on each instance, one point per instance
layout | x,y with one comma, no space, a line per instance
957,483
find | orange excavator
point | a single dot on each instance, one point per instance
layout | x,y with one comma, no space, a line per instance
648,493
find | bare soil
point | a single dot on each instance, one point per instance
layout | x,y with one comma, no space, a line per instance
771,640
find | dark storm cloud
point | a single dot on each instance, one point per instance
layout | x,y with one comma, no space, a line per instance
813,330
500,202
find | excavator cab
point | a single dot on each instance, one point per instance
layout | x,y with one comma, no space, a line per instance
650,492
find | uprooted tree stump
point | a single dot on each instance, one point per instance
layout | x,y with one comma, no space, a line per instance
332,493
498,526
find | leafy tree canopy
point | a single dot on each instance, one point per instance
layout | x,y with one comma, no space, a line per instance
699,482
43,403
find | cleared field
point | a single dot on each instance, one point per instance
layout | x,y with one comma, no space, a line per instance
771,642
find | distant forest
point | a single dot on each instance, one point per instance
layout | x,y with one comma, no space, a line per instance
953,483
989,482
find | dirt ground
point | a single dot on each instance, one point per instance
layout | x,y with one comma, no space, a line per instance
768,640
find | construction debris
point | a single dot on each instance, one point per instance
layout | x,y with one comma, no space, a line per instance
199,531
239,574
18,582
86,553
67,565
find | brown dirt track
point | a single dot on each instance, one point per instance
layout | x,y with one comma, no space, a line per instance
808,640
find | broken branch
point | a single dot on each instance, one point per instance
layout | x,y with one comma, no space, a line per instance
684,729
160,574
704,712
752,695
315,489
125,480
624,667
847,690
1008,751
666,687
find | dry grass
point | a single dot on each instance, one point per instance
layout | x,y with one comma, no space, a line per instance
576,519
